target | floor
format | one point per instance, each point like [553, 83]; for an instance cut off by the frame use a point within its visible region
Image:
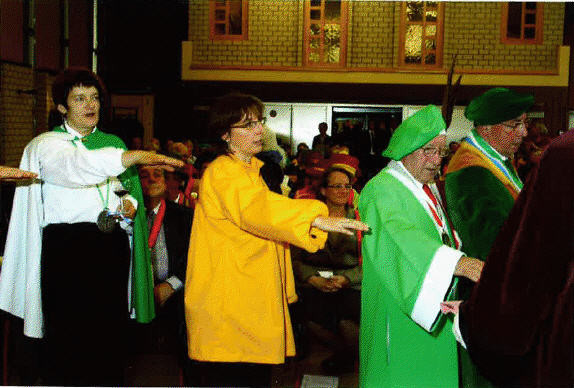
[162, 370]
[156, 370]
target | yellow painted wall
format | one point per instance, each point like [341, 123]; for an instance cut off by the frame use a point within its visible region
[471, 30]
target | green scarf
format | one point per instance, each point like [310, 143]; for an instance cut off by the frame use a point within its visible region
[142, 276]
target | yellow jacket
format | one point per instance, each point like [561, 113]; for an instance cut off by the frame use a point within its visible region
[239, 275]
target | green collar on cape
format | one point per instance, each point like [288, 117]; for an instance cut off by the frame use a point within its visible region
[142, 276]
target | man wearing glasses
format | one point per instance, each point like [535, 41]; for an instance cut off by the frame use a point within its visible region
[481, 181]
[410, 263]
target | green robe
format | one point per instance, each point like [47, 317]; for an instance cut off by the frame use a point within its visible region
[479, 195]
[480, 188]
[142, 298]
[407, 271]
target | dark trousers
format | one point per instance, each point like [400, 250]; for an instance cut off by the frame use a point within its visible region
[231, 374]
[84, 296]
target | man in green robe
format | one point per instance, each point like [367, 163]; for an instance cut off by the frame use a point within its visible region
[410, 260]
[482, 184]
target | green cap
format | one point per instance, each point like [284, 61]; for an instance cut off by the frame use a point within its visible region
[497, 105]
[415, 132]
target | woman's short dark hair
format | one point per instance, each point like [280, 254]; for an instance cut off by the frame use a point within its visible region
[230, 109]
[72, 77]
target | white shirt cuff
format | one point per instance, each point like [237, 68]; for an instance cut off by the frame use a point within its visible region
[174, 282]
[456, 331]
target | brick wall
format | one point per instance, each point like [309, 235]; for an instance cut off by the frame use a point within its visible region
[22, 115]
[371, 34]
[274, 35]
[16, 111]
[472, 31]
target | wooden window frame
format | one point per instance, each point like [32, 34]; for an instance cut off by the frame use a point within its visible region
[244, 17]
[538, 28]
[439, 39]
[306, 36]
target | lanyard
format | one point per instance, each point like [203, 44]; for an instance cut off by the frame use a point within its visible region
[105, 203]
[157, 222]
[107, 194]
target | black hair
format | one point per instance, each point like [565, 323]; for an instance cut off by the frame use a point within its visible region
[72, 77]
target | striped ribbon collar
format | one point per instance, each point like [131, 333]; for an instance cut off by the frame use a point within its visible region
[475, 141]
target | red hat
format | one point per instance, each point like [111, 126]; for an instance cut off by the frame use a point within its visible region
[315, 164]
[346, 162]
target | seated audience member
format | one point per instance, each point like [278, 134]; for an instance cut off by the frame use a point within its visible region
[330, 279]
[203, 162]
[170, 228]
[313, 168]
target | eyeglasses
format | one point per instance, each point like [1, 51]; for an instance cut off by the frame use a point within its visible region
[431, 151]
[515, 125]
[346, 187]
[251, 124]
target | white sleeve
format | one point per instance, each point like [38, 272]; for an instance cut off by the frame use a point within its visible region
[456, 331]
[71, 165]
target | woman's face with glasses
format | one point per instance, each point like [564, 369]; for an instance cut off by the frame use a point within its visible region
[245, 138]
[338, 188]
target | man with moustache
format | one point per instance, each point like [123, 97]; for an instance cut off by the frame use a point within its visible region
[411, 261]
[481, 182]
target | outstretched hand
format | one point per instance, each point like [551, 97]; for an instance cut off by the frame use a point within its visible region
[450, 306]
[339, 224]
[131, 158]
[13, 174]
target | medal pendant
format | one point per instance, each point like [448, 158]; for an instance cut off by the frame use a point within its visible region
[446, 239]
[106, 222]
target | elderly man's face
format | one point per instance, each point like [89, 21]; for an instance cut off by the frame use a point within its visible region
[506, 137]
[424, 163]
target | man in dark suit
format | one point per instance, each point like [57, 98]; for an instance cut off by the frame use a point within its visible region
[371, 145]
[170, 228]
[322, 142]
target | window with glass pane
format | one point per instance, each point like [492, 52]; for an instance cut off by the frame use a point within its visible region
[522, 23]
[421, 34]
[325, 34]
[228, 19]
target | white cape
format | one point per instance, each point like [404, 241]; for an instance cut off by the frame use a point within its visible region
[20, 288]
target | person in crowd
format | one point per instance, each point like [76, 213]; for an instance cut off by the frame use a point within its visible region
[518, 324]
[411, 263]
[67, 262]
[481, 182]
[170, 227]
[313, 170]
[532, 148]
[239, 276]
[322, 142]
[330, 279]
[203, 161]
[371, 143]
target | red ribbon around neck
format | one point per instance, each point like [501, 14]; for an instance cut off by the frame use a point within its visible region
[158, 220]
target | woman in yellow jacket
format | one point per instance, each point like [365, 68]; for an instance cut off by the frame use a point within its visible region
[239, 278]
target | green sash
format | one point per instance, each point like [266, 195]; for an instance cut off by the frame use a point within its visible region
[142, 298]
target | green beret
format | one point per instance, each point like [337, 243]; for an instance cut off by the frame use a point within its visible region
[415, 132]
[497, 105]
